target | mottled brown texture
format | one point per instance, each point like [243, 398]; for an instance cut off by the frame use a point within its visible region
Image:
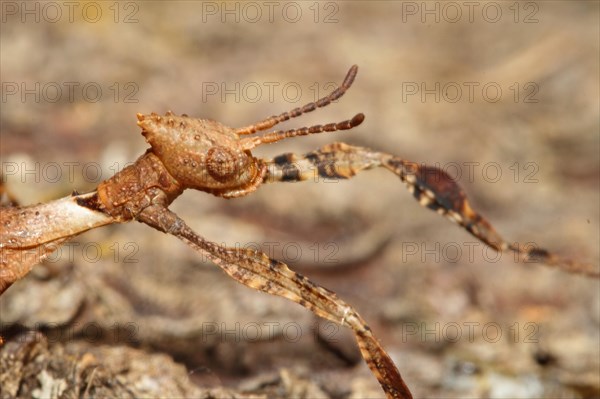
[29, 234]
[190, 153]
[185, 147]
[126, 194]
[258, 271]
[431, 187]
[31, 368]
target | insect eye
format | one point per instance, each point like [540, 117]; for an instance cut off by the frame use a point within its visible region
[221, 164]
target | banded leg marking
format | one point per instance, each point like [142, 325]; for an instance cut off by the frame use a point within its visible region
[432, 188]
[256, 270]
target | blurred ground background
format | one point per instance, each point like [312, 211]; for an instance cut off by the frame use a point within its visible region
[458, 320]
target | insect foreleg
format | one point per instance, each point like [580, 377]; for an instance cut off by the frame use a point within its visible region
[432, 188]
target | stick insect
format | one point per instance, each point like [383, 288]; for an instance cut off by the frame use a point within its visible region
[189, 153]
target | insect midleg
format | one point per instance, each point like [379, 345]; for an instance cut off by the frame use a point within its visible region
[256, 270]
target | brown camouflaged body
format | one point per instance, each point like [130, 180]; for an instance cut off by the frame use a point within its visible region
[201, 154]
[208, 156]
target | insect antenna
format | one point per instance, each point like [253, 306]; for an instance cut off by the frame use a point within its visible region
[272, 137]
[275, 119]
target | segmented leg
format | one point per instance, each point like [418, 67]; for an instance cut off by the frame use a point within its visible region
[258, 271]
[275, 119]
[432, 187]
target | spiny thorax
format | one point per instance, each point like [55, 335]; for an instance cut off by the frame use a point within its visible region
[136, 187]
